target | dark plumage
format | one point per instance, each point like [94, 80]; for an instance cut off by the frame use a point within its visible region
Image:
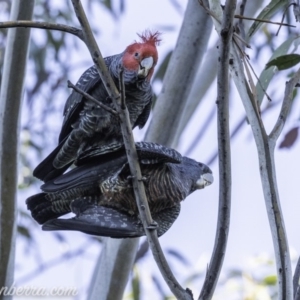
[100, 193]
[89, 130]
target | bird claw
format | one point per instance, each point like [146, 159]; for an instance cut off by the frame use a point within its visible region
[130, 177]
[152, 226]
[143, 179]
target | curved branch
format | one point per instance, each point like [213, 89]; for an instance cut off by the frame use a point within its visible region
[45, 266]
[43, 25]
[138, 185]
[217, 258]
[285, 108]
[265, 149]
[296, 279]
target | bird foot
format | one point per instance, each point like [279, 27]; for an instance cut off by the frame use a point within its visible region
[143, 179]
[152, 226]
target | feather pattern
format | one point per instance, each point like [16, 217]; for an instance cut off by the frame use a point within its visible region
[88, 129]
[99, 184]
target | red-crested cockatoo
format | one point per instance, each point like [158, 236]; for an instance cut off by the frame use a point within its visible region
[89, 130]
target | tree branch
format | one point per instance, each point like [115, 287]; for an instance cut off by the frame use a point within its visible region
[89, 97]
[217, 258]
[285, 108]
[111, 272]
[262, 20]
[126, 126]
[296, 281]
[182, 68]
[10, 102]
[43, 25]
[269, 184]
[54, 262]
[265, 148]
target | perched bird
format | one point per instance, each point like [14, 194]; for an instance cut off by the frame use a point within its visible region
[88, 129]
[100, 193]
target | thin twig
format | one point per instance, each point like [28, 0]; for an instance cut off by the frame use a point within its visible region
[137, 182]
[238, 127]
[54, 262]
[258, 80]
[283, 16]
[211, 13]
[237, 36]
[263, 21]
[219, 251]
[242, 9]
[89, 97]
[43, 25]
[202, 131]
[122, 89]
[285, 108]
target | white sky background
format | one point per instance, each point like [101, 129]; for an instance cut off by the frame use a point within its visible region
[193, 233]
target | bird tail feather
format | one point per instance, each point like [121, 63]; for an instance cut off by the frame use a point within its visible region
[41, 208]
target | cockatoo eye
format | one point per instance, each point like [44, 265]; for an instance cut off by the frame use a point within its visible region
[136, 54]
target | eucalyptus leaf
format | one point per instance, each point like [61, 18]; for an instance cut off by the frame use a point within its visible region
[284, 62]
[267, 74]
[290, 138]
[267, 13]
[24, 231]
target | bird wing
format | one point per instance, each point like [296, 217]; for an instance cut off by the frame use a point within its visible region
[100, 221]
[143, 117]
[45, 170]
[100, 167]
[152, 153]
[88, 80]
[86, 175]
[106, 221]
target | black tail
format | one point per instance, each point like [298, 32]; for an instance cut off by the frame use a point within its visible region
[41, 208]
[45, 170]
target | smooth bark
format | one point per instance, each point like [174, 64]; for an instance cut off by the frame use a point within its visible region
[12, 87]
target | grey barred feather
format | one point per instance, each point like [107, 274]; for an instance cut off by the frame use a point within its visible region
[105, 221]
[107, 184]
[89, 130]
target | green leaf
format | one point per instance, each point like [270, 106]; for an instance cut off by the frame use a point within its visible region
[24, 231]
[284, 62]
[267, 13]
[270, 280]
[135, 284]
[267, 74]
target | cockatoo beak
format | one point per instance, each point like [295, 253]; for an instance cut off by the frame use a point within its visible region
[204, 180]
[145, 65]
